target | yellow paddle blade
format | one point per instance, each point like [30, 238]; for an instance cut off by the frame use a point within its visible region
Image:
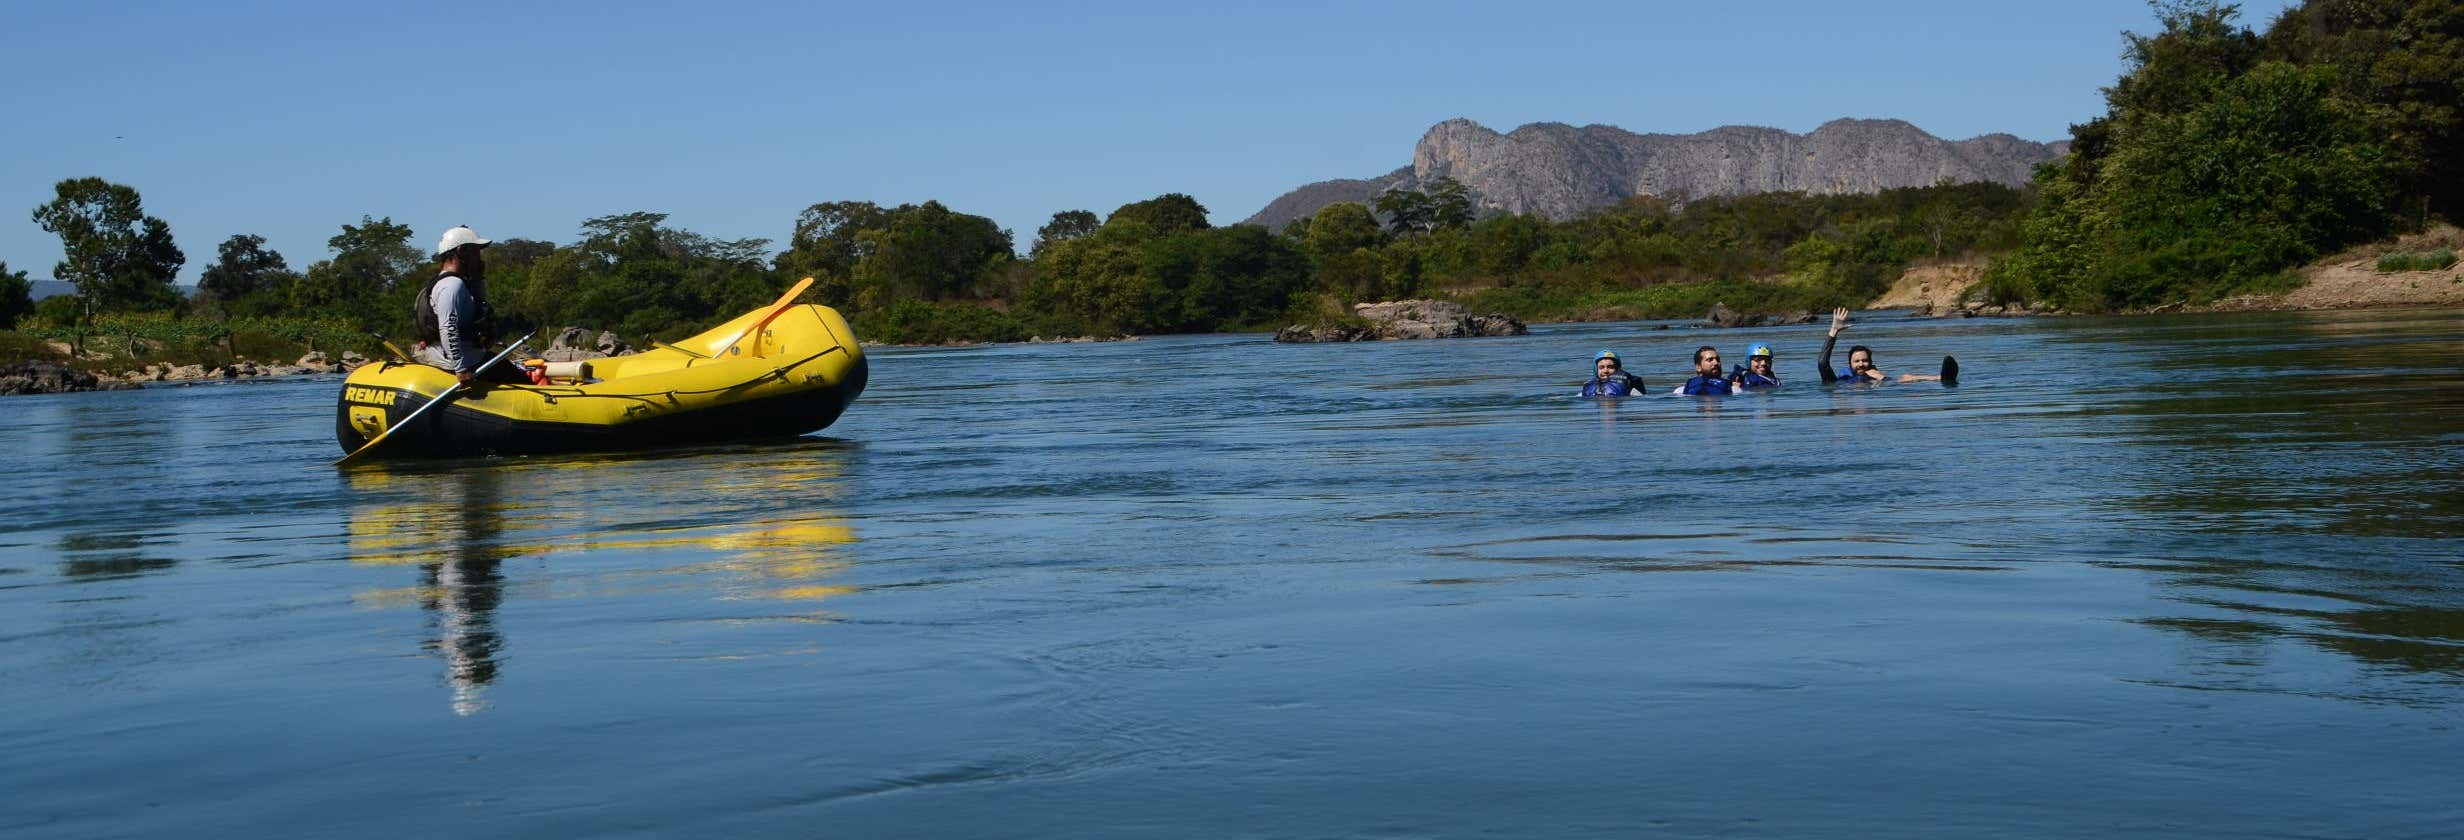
[784, 301]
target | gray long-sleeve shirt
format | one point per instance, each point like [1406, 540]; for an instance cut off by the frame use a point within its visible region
[457, 347]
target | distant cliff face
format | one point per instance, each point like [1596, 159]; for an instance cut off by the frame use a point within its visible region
[1559, 171]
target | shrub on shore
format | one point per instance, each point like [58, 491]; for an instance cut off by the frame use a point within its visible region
[2437, 260]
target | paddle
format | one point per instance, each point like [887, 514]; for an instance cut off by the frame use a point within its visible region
[447, 396]
[397, 351]
[667, 346]
[785, 301]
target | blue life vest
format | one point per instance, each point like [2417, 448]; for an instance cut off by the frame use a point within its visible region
[1705, 386]
[1852, 376]
[1752, 380]
[1617, 385]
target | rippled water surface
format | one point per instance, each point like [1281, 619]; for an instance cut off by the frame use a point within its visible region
[2184, 577]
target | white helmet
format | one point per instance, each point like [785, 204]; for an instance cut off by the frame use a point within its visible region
[459, 236]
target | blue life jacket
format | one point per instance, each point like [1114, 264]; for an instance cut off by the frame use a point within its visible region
[1616, 385]
[1852, 377]
[1705, 386]
[1752, 380]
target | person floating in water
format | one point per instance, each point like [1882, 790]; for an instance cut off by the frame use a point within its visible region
[1609, 378]
[1707, 381]
[1756, 373]
[1861, 367]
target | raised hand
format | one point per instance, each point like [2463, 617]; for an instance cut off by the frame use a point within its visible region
[1839, 321]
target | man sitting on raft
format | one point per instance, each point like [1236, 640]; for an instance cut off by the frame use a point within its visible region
[1707, 381]
[1609, 378]
[1861, 367]
[452, 315]
[1756, 373]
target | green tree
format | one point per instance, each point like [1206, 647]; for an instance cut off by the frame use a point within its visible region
[16, 296]
[371, 266]
[1406, 211]
[1163, 215]
[927, 252]
[825, 247]
[1343, 239]
[632, 275]
[545, 295]
[2222, 161]
[1296, 230]
[2405, 55]
[118, 257]
[1450, 204]
[2272, 170]
[1091, 285]
[1065, 226]
[2180, 67]
[1501, 245]
[245, 279]
[1342, 228]
[1856, 263]
[1220, 278]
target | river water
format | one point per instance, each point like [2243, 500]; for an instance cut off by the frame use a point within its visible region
[2194, 576]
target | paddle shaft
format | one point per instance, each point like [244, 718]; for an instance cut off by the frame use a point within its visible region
[449, 393]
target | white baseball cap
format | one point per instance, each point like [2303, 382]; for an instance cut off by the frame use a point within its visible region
[459, 236]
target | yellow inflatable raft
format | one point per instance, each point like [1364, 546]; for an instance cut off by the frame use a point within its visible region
[792, 377]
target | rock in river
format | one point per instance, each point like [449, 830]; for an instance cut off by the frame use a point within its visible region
[574, 344]
[1724, 317]
[1400, 319]
[52, 378]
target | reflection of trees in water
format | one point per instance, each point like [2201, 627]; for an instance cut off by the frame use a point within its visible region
[108, 630]
[2426, 640]
[456, 523]
[2305, 460]
[97, 556]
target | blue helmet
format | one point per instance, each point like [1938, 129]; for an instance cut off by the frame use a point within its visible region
[1759, 350]
[1610, 355]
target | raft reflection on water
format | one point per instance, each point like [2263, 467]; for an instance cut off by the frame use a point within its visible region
[458, 524]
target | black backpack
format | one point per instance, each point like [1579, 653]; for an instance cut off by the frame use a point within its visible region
[424, 320]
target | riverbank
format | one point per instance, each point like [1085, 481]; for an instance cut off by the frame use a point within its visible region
[2349, 280]
[2352, 280]
[33, 365]
[2379, 275]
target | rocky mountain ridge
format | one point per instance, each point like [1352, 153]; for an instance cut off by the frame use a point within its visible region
[1559, 171]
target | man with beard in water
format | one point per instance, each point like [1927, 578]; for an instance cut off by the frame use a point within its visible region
[455, 323]
[1609, 378]
[1707, 381]
[1861, 367]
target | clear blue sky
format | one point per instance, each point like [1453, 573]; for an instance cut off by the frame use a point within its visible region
[288, 120]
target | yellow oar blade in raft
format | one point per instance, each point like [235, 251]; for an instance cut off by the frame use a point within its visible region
[784, 301]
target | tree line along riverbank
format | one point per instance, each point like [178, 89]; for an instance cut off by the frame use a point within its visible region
[2231, 167]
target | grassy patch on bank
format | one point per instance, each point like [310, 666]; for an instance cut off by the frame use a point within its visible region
[20, 347]
[2433, 260]
[121, 342]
